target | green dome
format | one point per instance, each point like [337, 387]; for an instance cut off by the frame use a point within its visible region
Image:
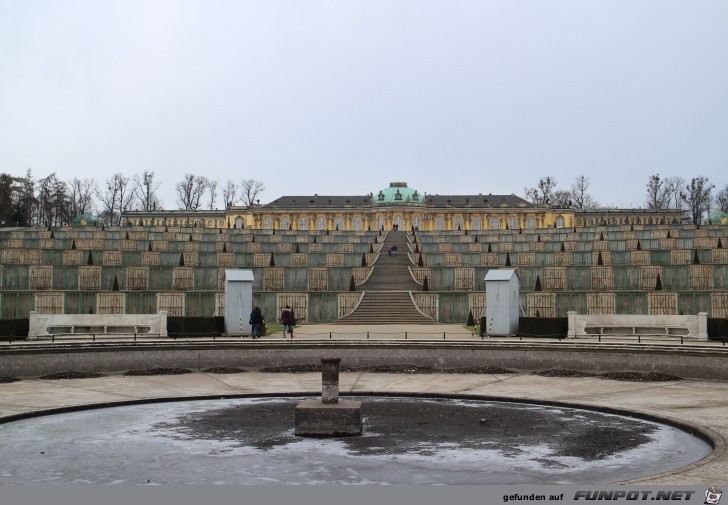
[398, 192]
[85, 220]
[719, 217]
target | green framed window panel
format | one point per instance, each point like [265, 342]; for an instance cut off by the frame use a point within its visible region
[720, 277]
[453, 307]
[675, 277]
[160, 278]
[200, 304]
[107, 278]
[52, 257]
[339, 278]
[295, 279]
[631, 303]
[206, 279]
[16, 277]
[268, 306]
[131, 258]
[141, 303]
[690, 304]
[626, 278]
[566, 302]
[16, 305]
[322, 307]
[80, 302]
[578, 278]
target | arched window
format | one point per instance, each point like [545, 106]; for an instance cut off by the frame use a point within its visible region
[267, 223]
[357, 224]
[239, 223]
[339, 223]
[380, 222]
[494, 223]
[531, 222]
[458, 223]
[398, 222]
[303, 224]
[440, 223]
[560, 222]
[285, 223]
[321, 223]
[513, 222]
[416, 222]
[476, 223]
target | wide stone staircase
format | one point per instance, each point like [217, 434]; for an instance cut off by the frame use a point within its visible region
[386, 291]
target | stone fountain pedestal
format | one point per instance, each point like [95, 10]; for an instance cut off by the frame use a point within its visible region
[328, 416]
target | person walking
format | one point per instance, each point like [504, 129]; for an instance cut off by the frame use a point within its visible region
[256, 320]
[287, 320]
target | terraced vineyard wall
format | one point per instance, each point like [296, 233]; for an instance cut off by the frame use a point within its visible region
[639, 269]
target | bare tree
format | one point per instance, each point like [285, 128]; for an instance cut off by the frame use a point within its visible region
[145, 190]
[229, 193]
[544, 193]
[81, 196]
[657, 193]
[698, 198]
[674, 187]
[190, 191]
[721, 199]
[7, 207]
[116, 198]
[561, 198]
[250, 190]
[212, 186]
[53, 202]
[25, 202]
[579, 194]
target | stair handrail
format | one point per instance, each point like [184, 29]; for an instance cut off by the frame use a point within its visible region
[355, 306]
[417, 308]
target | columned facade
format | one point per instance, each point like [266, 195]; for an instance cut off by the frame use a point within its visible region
[399, 206]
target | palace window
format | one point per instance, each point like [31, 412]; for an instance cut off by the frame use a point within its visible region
[458, 223]
[357, 224]
[494, 223]
[267, 223]
[380, 222]
[513, 222]
[398, 222]
[416, 222]
[560, 222]
[476, 223]
[339, 223]
[303, 224]
[239, 223]
[531, 222]
[440, 223]
[285, 223]
[321, 223]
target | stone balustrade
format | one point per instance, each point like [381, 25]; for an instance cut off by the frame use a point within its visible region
[583, 325]
[42, 325]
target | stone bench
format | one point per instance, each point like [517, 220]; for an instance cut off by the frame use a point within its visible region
[44, 325]
[583, 325]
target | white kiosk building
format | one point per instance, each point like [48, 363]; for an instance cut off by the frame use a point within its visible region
[238, 301]
[502, 304]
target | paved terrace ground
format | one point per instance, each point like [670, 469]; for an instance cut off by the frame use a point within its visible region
[700, 404]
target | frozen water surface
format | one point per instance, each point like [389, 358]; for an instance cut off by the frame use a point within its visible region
[405, 441]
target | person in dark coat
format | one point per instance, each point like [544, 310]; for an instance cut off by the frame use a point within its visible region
[287, 320]
[256, 320]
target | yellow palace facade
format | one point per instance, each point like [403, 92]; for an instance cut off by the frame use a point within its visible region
[399, 206]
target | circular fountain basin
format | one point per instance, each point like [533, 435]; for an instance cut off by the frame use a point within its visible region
[405, 441]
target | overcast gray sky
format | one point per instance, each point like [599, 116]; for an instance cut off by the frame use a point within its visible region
[343, 97]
